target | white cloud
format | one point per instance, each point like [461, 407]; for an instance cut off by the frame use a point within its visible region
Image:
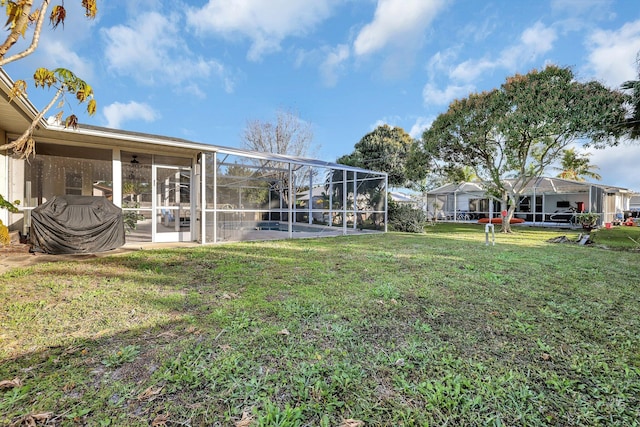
[333, 64]
[151, 50]
[118, 113]
[420, 125]
[396, 22]
[613, 53]
[478, 32]
[142, 47]
[265, 23]
[578, 7]
[618, 166]
[432, 95]
[471, 69]
[63, 56]
[378, 123]
[440, 60]
[534, 42]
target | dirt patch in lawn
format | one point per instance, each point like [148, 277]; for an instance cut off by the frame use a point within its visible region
[17, 255]
[21, 259]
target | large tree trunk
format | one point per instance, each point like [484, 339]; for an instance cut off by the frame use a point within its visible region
[506, 219]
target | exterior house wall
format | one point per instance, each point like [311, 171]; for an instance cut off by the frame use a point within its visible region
[4, 178]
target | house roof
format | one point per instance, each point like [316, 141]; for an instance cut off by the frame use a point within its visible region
[464, 187]
[399, 197]
[541, 185]
[18, 115]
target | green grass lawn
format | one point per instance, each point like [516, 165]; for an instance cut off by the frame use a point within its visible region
[389, 329]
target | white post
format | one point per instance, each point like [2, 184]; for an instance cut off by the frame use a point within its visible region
[344, 202]
[355, 200]
[455, 205]
[291, 201]
[386, 202]
[154, 202]
[4, 184]
[489, 227]
[331, 199]
[203, 198]
[310, 219]
[215, 197]
[116, 179]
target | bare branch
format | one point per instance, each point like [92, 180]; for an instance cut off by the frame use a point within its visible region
[288, 135]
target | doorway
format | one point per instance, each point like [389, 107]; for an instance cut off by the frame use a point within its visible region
[172, 211]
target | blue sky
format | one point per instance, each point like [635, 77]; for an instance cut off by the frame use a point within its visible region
[201, 69]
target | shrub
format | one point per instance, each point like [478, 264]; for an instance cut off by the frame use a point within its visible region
[406, 218]
[5, 239]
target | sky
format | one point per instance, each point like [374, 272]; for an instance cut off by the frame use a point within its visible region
[201, 69]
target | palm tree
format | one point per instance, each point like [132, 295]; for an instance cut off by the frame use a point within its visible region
[577, 166]
[632, 123]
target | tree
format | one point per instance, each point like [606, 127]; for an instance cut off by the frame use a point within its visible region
[289, 135]
[386, 149]
[511, 134]
[576, 166]
[631, 124]
[21, 16]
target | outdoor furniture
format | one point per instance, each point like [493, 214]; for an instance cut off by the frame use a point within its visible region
[76, 224]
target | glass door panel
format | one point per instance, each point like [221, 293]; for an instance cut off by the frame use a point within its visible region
[172, 204]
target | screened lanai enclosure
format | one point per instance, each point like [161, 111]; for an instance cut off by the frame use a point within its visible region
[210, 196]
[171, 189]
[256, 198]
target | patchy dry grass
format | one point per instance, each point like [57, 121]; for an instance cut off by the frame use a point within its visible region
[391, 329]
[619, 238]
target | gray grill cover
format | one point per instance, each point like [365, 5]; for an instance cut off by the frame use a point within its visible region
[76, 224]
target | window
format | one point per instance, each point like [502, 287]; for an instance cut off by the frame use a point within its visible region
[73, 183]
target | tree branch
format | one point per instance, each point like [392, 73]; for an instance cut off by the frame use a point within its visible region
[25, 144]
[13, 37]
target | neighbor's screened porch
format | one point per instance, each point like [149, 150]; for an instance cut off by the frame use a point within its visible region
[259, 197]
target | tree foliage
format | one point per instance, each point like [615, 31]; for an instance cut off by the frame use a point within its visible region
[631, 124]
[21, 16]
[518, 130]
[406, 218]
[386, 149]
[577, 166]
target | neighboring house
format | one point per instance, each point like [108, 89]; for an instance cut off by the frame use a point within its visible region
[403, 198]
[545, 199]
[634, 205]
[174, 189]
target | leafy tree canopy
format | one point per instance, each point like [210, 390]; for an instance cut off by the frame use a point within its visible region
[518, 130]
[577, 166]
[386, 149]
[24, 18]
[631, 124]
